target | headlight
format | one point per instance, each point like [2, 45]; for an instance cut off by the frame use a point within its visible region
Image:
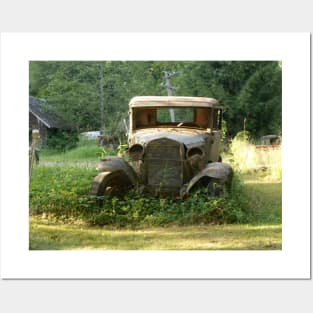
[194, 152]
[136, 152]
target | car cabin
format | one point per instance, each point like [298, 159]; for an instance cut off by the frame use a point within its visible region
[194, 112]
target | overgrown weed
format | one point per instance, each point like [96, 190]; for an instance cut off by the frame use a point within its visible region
[245, 158]
[61, 194]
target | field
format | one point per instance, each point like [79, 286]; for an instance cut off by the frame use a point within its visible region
[212, 237]
[62, 216]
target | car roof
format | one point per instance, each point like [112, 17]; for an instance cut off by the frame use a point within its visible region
[172, 101]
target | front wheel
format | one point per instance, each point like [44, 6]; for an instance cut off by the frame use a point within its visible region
[215, 188]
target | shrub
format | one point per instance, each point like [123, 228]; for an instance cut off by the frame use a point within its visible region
[61, 193]
[62, 140]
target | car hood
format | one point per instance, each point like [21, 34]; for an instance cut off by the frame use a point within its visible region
[189, 137]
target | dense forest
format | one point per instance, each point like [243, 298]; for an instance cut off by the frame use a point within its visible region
[94, 95]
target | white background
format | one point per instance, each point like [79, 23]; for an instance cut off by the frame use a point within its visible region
[182, 295]
[294, 259]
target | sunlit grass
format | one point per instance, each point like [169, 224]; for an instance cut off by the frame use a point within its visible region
[212, 237]
[87, 150]
[265, 199]
[262, 187]
[248, 158]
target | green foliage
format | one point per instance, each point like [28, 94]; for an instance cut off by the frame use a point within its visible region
[260, 100]
[62, 140]
[105, 151]
[95, 95]
[85, 150]
[61, 193]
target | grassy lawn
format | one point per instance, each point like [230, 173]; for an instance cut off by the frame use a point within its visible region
[265, 235]
[266, 200]
[87, 151]
[62, 187]
[211, 237]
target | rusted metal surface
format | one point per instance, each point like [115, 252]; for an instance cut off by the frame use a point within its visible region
[268, 147]
[168, 157]
[167, 101]
[163, 165]
[271, 140]
[188, 137]
[221, 172]
[113, 164]
[110, 183]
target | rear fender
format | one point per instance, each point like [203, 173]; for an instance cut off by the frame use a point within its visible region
[221, 172]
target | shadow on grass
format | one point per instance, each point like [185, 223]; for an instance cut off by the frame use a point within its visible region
[213, 237]
[265, 201]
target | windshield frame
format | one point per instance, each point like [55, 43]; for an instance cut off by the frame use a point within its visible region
[146, 117]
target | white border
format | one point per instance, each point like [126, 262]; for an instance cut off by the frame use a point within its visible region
[18, 262]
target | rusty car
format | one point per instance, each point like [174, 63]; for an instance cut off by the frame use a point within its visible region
[173, 146]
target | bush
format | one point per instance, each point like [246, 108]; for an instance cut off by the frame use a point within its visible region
[61, 193]
[62, 140]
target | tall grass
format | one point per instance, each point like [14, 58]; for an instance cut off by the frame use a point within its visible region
[247, 158]
[86, 150]
[61, 193]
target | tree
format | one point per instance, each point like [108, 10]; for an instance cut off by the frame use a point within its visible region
[260, 100]
[92, 94]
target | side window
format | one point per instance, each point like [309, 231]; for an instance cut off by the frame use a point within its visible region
[202, 118]
[144, 118]
[217, 119]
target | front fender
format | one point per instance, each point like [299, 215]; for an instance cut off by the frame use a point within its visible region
[113, 164]
[221, 172]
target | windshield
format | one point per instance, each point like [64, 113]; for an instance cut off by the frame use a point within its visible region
[177, 115]
[174, 117]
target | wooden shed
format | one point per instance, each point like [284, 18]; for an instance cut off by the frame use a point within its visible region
[40, 118]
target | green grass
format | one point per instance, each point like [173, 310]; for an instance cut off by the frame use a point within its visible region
[86, 150]
[265, 200]
[61, 194]
[63, 216]
[44, 236]
[186, 225]
[47, 180]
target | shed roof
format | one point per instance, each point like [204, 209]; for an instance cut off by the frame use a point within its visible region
[172, 101]
[50, 120]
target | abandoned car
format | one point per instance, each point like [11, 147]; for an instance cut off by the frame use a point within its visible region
[173, 146]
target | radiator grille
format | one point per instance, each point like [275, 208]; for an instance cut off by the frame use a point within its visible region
[163, 162]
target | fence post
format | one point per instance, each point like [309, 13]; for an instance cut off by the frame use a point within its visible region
[35, 139]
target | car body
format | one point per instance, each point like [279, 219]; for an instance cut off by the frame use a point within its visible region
[173, 145]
